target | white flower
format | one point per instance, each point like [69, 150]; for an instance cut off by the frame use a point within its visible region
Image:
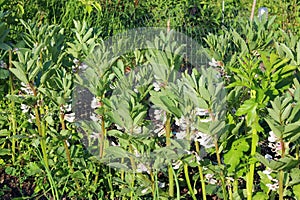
[3, 64]
[213, 63]
[68, 144]
[201, 112]
[204, 139]
[272, 187]
[94, 117]
[268, 172]
[66, 108]
[210, 179]
[26, 88]
[161, 184]
[76, 61]
[206, 120]
[180, 135]
[156, 86]
[141, 168]
[268, 157]
[144, 191]
[177, 164]
[70, 117]
[94, 135]
[32, 117]
[272, 137]
[25, 108]
[83, 66]
[118, 127]
[95, 103]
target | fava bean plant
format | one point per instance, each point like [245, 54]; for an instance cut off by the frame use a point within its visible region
[80, 119]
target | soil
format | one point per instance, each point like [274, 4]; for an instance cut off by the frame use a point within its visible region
[10, 186]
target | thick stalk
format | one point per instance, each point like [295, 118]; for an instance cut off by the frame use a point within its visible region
[152, 184]
[112, 194]
[177, 185]
[281, 173]
[63, 127]
[221, 172]
[281, 177]
[253, 10]
[102, 136]
[187, 179]
[42, 135]
[250, 174]
[168, 143]
[201, 173]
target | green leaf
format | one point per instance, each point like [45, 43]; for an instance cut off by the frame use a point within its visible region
[235, 154]
[296, 191]
[78, 175]
[116, 152]
[19, 74]
[4, 152]
[65, 133]
[260, 196]
[4, 74]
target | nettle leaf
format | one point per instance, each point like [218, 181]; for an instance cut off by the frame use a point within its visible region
[234, 155]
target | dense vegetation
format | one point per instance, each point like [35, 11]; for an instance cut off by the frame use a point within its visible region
[78, 122]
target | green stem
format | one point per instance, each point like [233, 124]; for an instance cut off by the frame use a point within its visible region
[201, 173]
[281, 176]
[110, 185]
[102, 137]
[221, 172]
[156, 186]
[152, 184]
[168, 143]
[230, 191]
[250, 174]
[177, 185]
[63, 127]
[281, 173]
[42, 135]
[187, 178]
[235, 185]
[12, 109]
[297, 152]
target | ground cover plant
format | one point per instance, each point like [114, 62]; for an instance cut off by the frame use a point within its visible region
[207, 109]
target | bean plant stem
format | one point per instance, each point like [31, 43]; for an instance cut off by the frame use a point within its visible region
[63, 127]
[42, 135]
[152, 184]
[12, 109]
[168, 143]
[253, 10]
[281, 173]
[201, 172]
[221, 172]
[177, 185]
[281, 177]
[102, 137]
[187, 179]
[250, 174]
